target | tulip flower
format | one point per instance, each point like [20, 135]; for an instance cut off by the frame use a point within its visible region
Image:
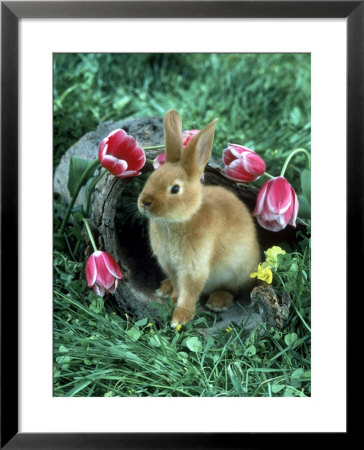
[121, 154]
[242, 164]
[159, 160]
[102, 273]
[187, 135]
[277, 205]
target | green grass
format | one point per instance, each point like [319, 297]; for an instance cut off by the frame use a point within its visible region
[101, 351]
[262, 101]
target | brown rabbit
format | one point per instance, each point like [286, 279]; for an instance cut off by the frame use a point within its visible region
[203, 236]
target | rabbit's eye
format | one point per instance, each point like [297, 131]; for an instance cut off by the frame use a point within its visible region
[175, 189]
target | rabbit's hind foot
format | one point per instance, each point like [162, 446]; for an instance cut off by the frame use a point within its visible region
[220, 301]
[166, 289]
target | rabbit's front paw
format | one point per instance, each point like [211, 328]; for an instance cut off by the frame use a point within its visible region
[181, 317]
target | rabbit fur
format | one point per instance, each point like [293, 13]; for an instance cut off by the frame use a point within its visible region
[204, 237]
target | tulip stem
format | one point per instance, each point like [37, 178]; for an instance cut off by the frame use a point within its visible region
[91, 168]
[268, 175]
[155, 147]
[90, 234]
[289, 157]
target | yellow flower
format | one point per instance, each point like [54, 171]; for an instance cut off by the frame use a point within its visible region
[272, 255]
[263, 273]
[150, 324]
[228, 330]
[178, 327]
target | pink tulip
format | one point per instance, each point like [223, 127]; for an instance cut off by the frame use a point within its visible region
[277, 205]
[242, 164]
[102, 273]
[121, 154]
[187, 135]
[159, 160]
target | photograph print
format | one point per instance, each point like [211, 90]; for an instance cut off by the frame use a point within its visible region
[182, 224]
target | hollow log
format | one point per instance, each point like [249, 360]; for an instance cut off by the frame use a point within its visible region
[126, 240]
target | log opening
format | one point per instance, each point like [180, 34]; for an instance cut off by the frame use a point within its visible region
[133, 239]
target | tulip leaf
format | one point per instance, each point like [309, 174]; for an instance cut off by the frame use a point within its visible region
[77, 230]
[79, 210]
[306, 184]
[78, 226]
[304, 210]
[78, 216]
[78, 166]
[59, 242]
[89, 184]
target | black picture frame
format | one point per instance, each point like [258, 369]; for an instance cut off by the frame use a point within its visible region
[11, 13]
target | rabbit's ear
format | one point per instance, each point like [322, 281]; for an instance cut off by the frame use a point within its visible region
[173, 135]
[198, 150]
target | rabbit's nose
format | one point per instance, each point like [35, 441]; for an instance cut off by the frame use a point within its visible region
[145, 201]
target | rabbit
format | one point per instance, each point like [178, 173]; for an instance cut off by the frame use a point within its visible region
[203, 237]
